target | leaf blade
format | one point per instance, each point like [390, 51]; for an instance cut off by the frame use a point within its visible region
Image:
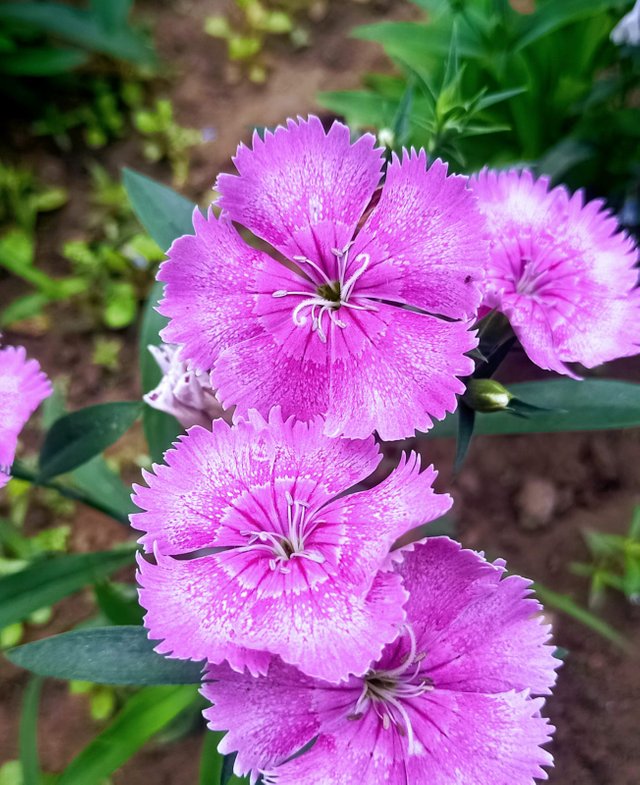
[104, 655]
[44, 583]
[77, 437]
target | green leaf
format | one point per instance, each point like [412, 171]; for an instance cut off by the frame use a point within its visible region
[119, 603]
[160, 429]
[104, 655]
[589, 405]
[81, 27]
[79, 436]
[43, 583]
[466, 420]
[562, 602]
[112, 14]
[104, 488]
[164, 213]
[28, 734]
[553, 16]
[144, 715]
[44, 61]
[362, 108]
[211, 761]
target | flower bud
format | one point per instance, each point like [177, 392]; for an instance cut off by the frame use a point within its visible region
[183, 392]
[486, 395]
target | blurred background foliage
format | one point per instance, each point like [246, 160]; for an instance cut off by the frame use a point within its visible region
[479, 82]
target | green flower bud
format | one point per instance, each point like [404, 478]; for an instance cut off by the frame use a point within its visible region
[486, 395]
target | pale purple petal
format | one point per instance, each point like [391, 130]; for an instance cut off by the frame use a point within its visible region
[405, 381]
[426, 239]
[560, 270]
[298, 178]
[269, 719]
[23, 387]
[463, 738]
[480, 630]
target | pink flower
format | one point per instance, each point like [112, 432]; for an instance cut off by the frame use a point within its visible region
[184, 392]
[256, 551]
[449, 701]
[327, 331]
[23, 387]
[560, 270]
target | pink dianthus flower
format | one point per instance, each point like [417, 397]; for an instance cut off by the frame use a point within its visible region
[23, 387]
[257, 551]
[327, 331]
[560, 270]
[449, 701]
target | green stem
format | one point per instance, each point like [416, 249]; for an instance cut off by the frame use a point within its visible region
[21, 472]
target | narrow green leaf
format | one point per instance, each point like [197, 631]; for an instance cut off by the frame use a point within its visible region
[119, 603]
[28, 734]
[553, 16]
[589, 405]
[466, 420]
[104, 488]
[562, 602]
[211, 761]
[44, 583]
[43, 61]
[75, 438]
[144, 715]
[164, 213]
[81, 27]
[104, 655]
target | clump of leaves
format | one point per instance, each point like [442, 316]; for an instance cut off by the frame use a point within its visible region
[23, 197]
[518, 84]
[100, 112]
[253, 22]
[165, 138]
[115, 262]
[615, 563]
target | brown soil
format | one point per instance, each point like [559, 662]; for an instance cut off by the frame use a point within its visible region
[524, 498]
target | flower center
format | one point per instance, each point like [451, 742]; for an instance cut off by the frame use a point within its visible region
[387, 691]
[283, 547]
[329, 296]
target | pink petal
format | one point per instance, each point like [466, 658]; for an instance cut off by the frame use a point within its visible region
[426, 240]
[561, 271]
[208, 471]
[269, 719]
[23, 387]
[405, 380]
[465, 738]
[210, 291]
[297, 178]
[199, 613]
[480, 630]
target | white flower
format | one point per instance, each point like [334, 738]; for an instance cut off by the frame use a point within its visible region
[627, 31]
[182, 391]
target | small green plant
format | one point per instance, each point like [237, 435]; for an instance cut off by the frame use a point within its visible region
[550, 76]
[99, 110]
[615, 563]
[23, 197]
[247, 30]
[164, 138]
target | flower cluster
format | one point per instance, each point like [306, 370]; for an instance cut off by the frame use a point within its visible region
[331, 629]
[23, 387]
